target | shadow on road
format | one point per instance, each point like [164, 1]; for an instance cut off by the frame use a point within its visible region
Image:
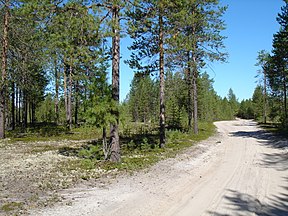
[277, 160]
[276, 205]
[243, 204]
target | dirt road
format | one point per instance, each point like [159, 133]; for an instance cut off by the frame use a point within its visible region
[241, 171]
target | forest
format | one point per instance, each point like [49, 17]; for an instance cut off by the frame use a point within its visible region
[57, 57]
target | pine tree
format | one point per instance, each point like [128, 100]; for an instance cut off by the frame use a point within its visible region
[3, 81]
[196, 27]
[148, 28]
[277, 69]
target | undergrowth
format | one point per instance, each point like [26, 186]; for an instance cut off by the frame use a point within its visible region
[138, 151]
[139, 147]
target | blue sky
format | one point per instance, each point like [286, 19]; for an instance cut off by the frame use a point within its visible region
[250, 28]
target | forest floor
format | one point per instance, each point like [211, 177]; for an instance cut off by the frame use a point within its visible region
[242, 170]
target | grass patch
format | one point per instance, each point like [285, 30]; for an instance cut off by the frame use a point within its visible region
[11, 206]
[52, 133]
[275, 128]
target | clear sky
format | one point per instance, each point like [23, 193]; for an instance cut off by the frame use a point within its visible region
[250, 28]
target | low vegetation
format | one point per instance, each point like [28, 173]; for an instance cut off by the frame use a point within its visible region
[55, 162]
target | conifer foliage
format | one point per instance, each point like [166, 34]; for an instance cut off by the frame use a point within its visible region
[56, 57]
[270, 96]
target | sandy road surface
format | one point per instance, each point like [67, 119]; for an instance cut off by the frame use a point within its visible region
[241, 171]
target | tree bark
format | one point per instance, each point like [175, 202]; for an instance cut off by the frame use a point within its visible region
[24, 110]
[114, 143]
[56, 92]
[13, 106]
[162, 83]
[65, 93]
[115, 155]
[104, 143]
[190, 95]
[69, 120]
[16, 104]
[285, 100]
[68, 95]
[195, 95]
[76, 102]
[3, 87]
[265, 96]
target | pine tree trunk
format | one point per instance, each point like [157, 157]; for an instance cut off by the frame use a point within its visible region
[114, 133]
[265, 97]
[195, 96]
[70, 98]
[13, 106]
[104, 143]
[285, 101]
[16, 105]
[33, 110]
[66, 97]
[3, 87]
[76, 103]
[24, 111]
[56, 92]
[190, 95]
[162, 83]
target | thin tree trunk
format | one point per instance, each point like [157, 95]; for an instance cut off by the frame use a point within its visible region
[30, 105]
[56, 92]
[195, 95]
[285, 101]
[265, 97]
[19, 106]
[114, 143]
[33, 109]
[24, 111]
[13, 106]
[190, 95]
[70, 98]
[3, 87]
[16, 103]
[76, 102]
[104, 143]
[65, 95]
[162, 83]
[194, 78]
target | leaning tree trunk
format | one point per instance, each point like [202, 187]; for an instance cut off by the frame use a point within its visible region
[162, 84]
[114, 144]
[3, 84]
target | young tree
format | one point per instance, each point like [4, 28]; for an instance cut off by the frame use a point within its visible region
[234, 105]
